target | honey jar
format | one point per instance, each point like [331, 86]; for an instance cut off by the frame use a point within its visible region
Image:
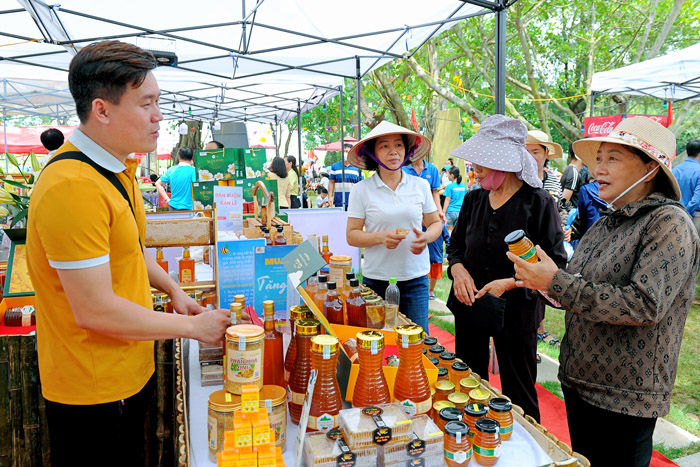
[479, 395]
[436, 350]
[459, 399]
[467, 384]
[459, 371]
[446, 359]
[244, 357]
[443, 374]
[448, 414]
[458, 448]
[500, 410]
[443, 388]
[433, 360]
[487, 441]
[429, 341]
[473, 412]
[437, 407]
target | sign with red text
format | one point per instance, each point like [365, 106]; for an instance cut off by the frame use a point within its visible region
[603, 125]
[229, 208]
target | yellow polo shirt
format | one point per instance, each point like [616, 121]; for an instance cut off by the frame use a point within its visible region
[77, 219]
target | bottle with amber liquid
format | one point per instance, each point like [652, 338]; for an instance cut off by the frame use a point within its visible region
[186, 267]
[295, 313]
[158, 305]
[326, 402]
[325, 252]
[280, 239]
[332, 306]
[371, 387]
[301, 371]
[160, 259]
[312, 285]
[273, 367]
[346, 285]
[321, 292]
[411, 390]
[236, 313]
[267, 236]
[355, 306]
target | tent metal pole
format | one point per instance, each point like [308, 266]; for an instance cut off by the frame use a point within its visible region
[301, 182]
[243, 26]
[358, 93]
[501, 59]
[4, 122]
[342, 141]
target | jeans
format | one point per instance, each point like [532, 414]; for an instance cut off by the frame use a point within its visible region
[414, 297]
[592, 429]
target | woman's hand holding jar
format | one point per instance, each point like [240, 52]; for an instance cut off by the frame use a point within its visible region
[536, 276]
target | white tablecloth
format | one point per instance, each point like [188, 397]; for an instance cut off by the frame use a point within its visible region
[521, 450]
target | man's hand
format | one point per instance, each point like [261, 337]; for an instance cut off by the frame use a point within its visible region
[535, 276]
[185, 305]
[391, 238]
[463, 284]
[497, 287]
[210, 327]
[567, 234]
[419, 244]
[443, 218]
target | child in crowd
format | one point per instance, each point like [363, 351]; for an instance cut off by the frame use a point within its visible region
[322, 200]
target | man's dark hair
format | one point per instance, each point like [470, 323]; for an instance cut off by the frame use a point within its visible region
[219, 145]
[103, 70]
[153, 178]
[321, 189]
[371, 164]
[278, 167]
[185, 154]
[347, 146]
[693, 148]
[52, 139]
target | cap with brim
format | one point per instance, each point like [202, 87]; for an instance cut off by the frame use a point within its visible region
[499, 144]
[554, 150]
[419, 143]
[641, 133]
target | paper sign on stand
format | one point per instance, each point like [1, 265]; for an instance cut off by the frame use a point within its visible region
[235, 270]
[271, 277]
[229, 208]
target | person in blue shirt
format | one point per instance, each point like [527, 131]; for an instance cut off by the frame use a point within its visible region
[688, 175]
[180, 178]
[337, 185]
[437, 258]
[428, 172]
[454, 195]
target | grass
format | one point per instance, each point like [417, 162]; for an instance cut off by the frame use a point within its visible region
[448, 326]
[554, 387]
[676, 453]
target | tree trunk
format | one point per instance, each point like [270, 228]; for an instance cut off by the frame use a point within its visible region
[647, 29]
[666, 28]
[394, 101]
[193, 138]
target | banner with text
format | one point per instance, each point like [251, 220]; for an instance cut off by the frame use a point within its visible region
[235, 270]
[271, 278]
[229, 208]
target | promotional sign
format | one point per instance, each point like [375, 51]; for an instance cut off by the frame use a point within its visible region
[235, 270]
[603, 126]
[229, 208]
[302, 262]
[271, 278]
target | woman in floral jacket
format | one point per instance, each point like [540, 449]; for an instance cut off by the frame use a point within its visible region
[626, 292]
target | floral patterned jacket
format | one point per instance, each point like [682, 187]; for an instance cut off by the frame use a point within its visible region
[627, 291]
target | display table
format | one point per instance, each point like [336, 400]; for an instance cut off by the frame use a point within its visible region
[521, 450]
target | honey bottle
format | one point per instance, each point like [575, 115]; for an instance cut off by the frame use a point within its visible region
[326, 402]
[236, 313]
[325, 252]
[321, 292]
[273, 367]
[240, 298]
[280, 239]
[295, 313]
[267, 236]
[186, 267]
[332, 306]
[371, 387]
[458, 448]
[411, 390]
[160, 259]
[487, 441]
[312, 285]
[158, 306]
[355, 306]
[301, 371]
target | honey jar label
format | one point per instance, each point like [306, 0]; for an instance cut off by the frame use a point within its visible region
[416, 448]
[412, 409]
[212, 426]
[459, 456]
[296, 397]
[486, 452]
[278, 422]
[382, 434]
[244, 366]
[506, 429]
[323, 422]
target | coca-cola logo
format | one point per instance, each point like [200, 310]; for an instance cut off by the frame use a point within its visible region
[604, 128]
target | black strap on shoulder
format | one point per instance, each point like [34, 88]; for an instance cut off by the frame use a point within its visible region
[108, 174]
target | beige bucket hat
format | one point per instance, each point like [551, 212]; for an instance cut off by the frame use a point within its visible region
[642, 133]
[419, 145]
[554, 150]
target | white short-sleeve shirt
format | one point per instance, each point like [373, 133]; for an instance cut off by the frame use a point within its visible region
[385, 209]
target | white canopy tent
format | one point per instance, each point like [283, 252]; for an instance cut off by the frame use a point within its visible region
[675, 76]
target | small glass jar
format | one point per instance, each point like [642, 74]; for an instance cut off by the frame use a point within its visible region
[429, 341]
[436, 350]
[500, 409]
[437, 407]
[448, 414]
[244, 357]
[443, 388]
[443, 374]
[376, 315]
[220, 419]
[459, 399]
[467, 384]
[447, 358]
[479, 395]
[434, 361]
[459, 371]
[487, 441]
[458, 448]
[473, 412]
[274, 398]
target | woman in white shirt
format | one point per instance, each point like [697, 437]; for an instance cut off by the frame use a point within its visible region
[386, 213]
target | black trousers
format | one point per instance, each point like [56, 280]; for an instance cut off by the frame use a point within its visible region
[517, 362]
[629, 439]
[107, 434]
[295, 203]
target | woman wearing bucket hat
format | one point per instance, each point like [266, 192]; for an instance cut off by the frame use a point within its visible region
[385, 214]
[510, 198]
[626, 291]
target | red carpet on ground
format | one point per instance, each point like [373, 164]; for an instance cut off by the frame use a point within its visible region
[552, 409]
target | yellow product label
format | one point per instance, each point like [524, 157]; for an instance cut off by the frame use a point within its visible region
[412, 408]
[186, 275]
[212, 426]
[297, 397]
[323, 422]
[243, 366]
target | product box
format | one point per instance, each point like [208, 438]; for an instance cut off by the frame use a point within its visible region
[219, 164]
[203, 195]
[14, 302]
[254, 159]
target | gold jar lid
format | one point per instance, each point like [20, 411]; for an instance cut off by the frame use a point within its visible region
[240, 298]
[368, 339]
[445, 385]
[223, 401]
[458, 398]
[373, 300]
[410, 332]
[269, 306]
[249, 332]
[307, 326]
[469, 382]
[479, 395]
[341, 259]
[439, 405]
[297, 312]
[275, 394]
[324, 343]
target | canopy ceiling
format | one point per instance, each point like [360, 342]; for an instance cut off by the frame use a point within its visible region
[237, 60]
[674, 76]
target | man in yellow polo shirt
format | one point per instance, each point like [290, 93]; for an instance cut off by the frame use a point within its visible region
[91, 274]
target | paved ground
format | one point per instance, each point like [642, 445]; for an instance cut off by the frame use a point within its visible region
[666, 432]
